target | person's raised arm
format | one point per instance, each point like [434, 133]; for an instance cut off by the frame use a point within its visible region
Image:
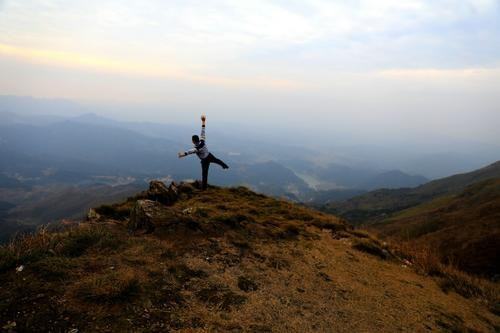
[203, 119]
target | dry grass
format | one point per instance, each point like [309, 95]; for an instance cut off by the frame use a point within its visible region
[427, 261]
[371, 246]
[26, 248]
[74, 242]
[251, 264]
[110, 287]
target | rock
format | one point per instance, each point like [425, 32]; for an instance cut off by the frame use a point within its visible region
[142, 215]
[147, 215]
[20, 269]
[158, 191]
[92, 215]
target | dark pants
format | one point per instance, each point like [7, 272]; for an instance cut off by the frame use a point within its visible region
[205, 164]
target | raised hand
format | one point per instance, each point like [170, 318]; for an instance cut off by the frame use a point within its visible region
[181, 154]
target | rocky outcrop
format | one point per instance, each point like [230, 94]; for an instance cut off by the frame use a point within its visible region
[159, 192]
[147, 215]
[152, 209]
[142, 216]
[92, 215]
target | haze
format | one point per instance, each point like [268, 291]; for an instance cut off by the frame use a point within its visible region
[366, 71]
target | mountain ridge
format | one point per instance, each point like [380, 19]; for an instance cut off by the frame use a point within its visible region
[380, 204]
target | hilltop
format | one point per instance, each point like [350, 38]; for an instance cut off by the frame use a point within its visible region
[226, 260]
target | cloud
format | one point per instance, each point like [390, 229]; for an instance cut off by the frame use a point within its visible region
[228, 30]
[108, 65]
[442, 74]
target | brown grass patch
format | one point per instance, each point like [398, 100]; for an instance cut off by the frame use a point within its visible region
[371, 246]
[110, 287]
[427, 261]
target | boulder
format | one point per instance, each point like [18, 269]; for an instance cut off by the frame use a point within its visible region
[143, 215]
[147, 215]
[92, 215]
[158, 191]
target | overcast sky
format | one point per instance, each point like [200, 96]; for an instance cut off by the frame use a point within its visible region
[383, 68]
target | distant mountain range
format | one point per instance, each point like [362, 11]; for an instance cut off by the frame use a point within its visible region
[380, 204]
[40, 149]
[61, 149]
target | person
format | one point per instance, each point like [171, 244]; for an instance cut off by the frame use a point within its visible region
[200, 148]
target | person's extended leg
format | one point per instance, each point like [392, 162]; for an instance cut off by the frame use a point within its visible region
[215, 160]
[205, 164]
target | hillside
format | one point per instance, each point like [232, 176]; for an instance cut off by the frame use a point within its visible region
[463, 228]
[393, 179]
[223, 260]
[380, 204]
[23, 209]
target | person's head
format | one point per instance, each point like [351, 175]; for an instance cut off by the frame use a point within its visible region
[195, 139]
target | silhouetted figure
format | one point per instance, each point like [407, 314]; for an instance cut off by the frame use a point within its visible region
[200, 148]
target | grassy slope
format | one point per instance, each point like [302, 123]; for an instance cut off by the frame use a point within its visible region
[231, 260]
[464, 228]
[381, 204]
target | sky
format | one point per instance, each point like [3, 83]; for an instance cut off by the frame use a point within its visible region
[385, 69]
